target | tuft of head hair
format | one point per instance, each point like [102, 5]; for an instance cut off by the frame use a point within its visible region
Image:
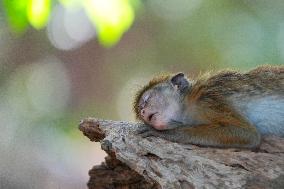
[156, 80]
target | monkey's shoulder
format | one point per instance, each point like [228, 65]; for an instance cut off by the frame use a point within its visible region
[262, 81]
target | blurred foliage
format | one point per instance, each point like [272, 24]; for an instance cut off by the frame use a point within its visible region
[38, 12]
[17, 14]
[55, 73]
[111, 18]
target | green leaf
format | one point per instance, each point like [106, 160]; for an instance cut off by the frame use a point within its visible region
[38, 12]
[111, 18]
[16, 14]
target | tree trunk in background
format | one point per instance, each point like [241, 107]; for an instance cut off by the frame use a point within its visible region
[135, 162]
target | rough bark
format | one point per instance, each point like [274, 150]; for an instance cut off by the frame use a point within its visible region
[152, 162]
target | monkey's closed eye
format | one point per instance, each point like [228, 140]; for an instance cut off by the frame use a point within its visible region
[142, 104]
[146, 98]
[144, 101]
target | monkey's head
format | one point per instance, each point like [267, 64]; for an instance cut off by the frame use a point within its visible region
[160, 102]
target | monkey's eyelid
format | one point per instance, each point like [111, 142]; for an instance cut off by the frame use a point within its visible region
[146, 98]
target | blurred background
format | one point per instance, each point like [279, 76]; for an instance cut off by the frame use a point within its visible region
[64, 60]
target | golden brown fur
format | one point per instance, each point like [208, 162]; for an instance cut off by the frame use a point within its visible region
[208, 96]
[209, 89]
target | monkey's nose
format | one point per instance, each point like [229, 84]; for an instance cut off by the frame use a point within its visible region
[150, 116]
[146, 115]
[142, 112]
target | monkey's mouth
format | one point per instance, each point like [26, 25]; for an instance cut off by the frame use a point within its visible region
[151, 116]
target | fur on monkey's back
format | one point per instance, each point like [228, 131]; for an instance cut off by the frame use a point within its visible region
[258, 95]
[261, 81]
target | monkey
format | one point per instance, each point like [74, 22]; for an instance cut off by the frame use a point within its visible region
[228, 109]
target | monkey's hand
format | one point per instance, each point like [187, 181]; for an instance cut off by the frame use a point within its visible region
[170, 135]
[146, 131]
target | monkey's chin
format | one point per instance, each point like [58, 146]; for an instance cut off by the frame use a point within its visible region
[159, 125]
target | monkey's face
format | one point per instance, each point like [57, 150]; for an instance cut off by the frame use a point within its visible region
[158, 106]
[161, 106]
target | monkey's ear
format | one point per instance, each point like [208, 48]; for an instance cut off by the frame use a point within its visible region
[180, 82]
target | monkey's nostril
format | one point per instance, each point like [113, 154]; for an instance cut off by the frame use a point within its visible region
[151, 116]
[142, 112]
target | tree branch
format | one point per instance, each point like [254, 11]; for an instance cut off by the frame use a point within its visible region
[164, 164]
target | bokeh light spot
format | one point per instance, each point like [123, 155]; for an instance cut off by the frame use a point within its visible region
[69, 29]
[111, 18]
[48, 86]
[78, 25]
[16, 14]
[38, 12]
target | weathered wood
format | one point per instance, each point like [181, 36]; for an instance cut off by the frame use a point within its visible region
[165, 164]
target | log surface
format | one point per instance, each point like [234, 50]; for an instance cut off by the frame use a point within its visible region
[157, 163]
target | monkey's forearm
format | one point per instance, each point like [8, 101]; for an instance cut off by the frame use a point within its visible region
[223, 136]
[210, 135]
